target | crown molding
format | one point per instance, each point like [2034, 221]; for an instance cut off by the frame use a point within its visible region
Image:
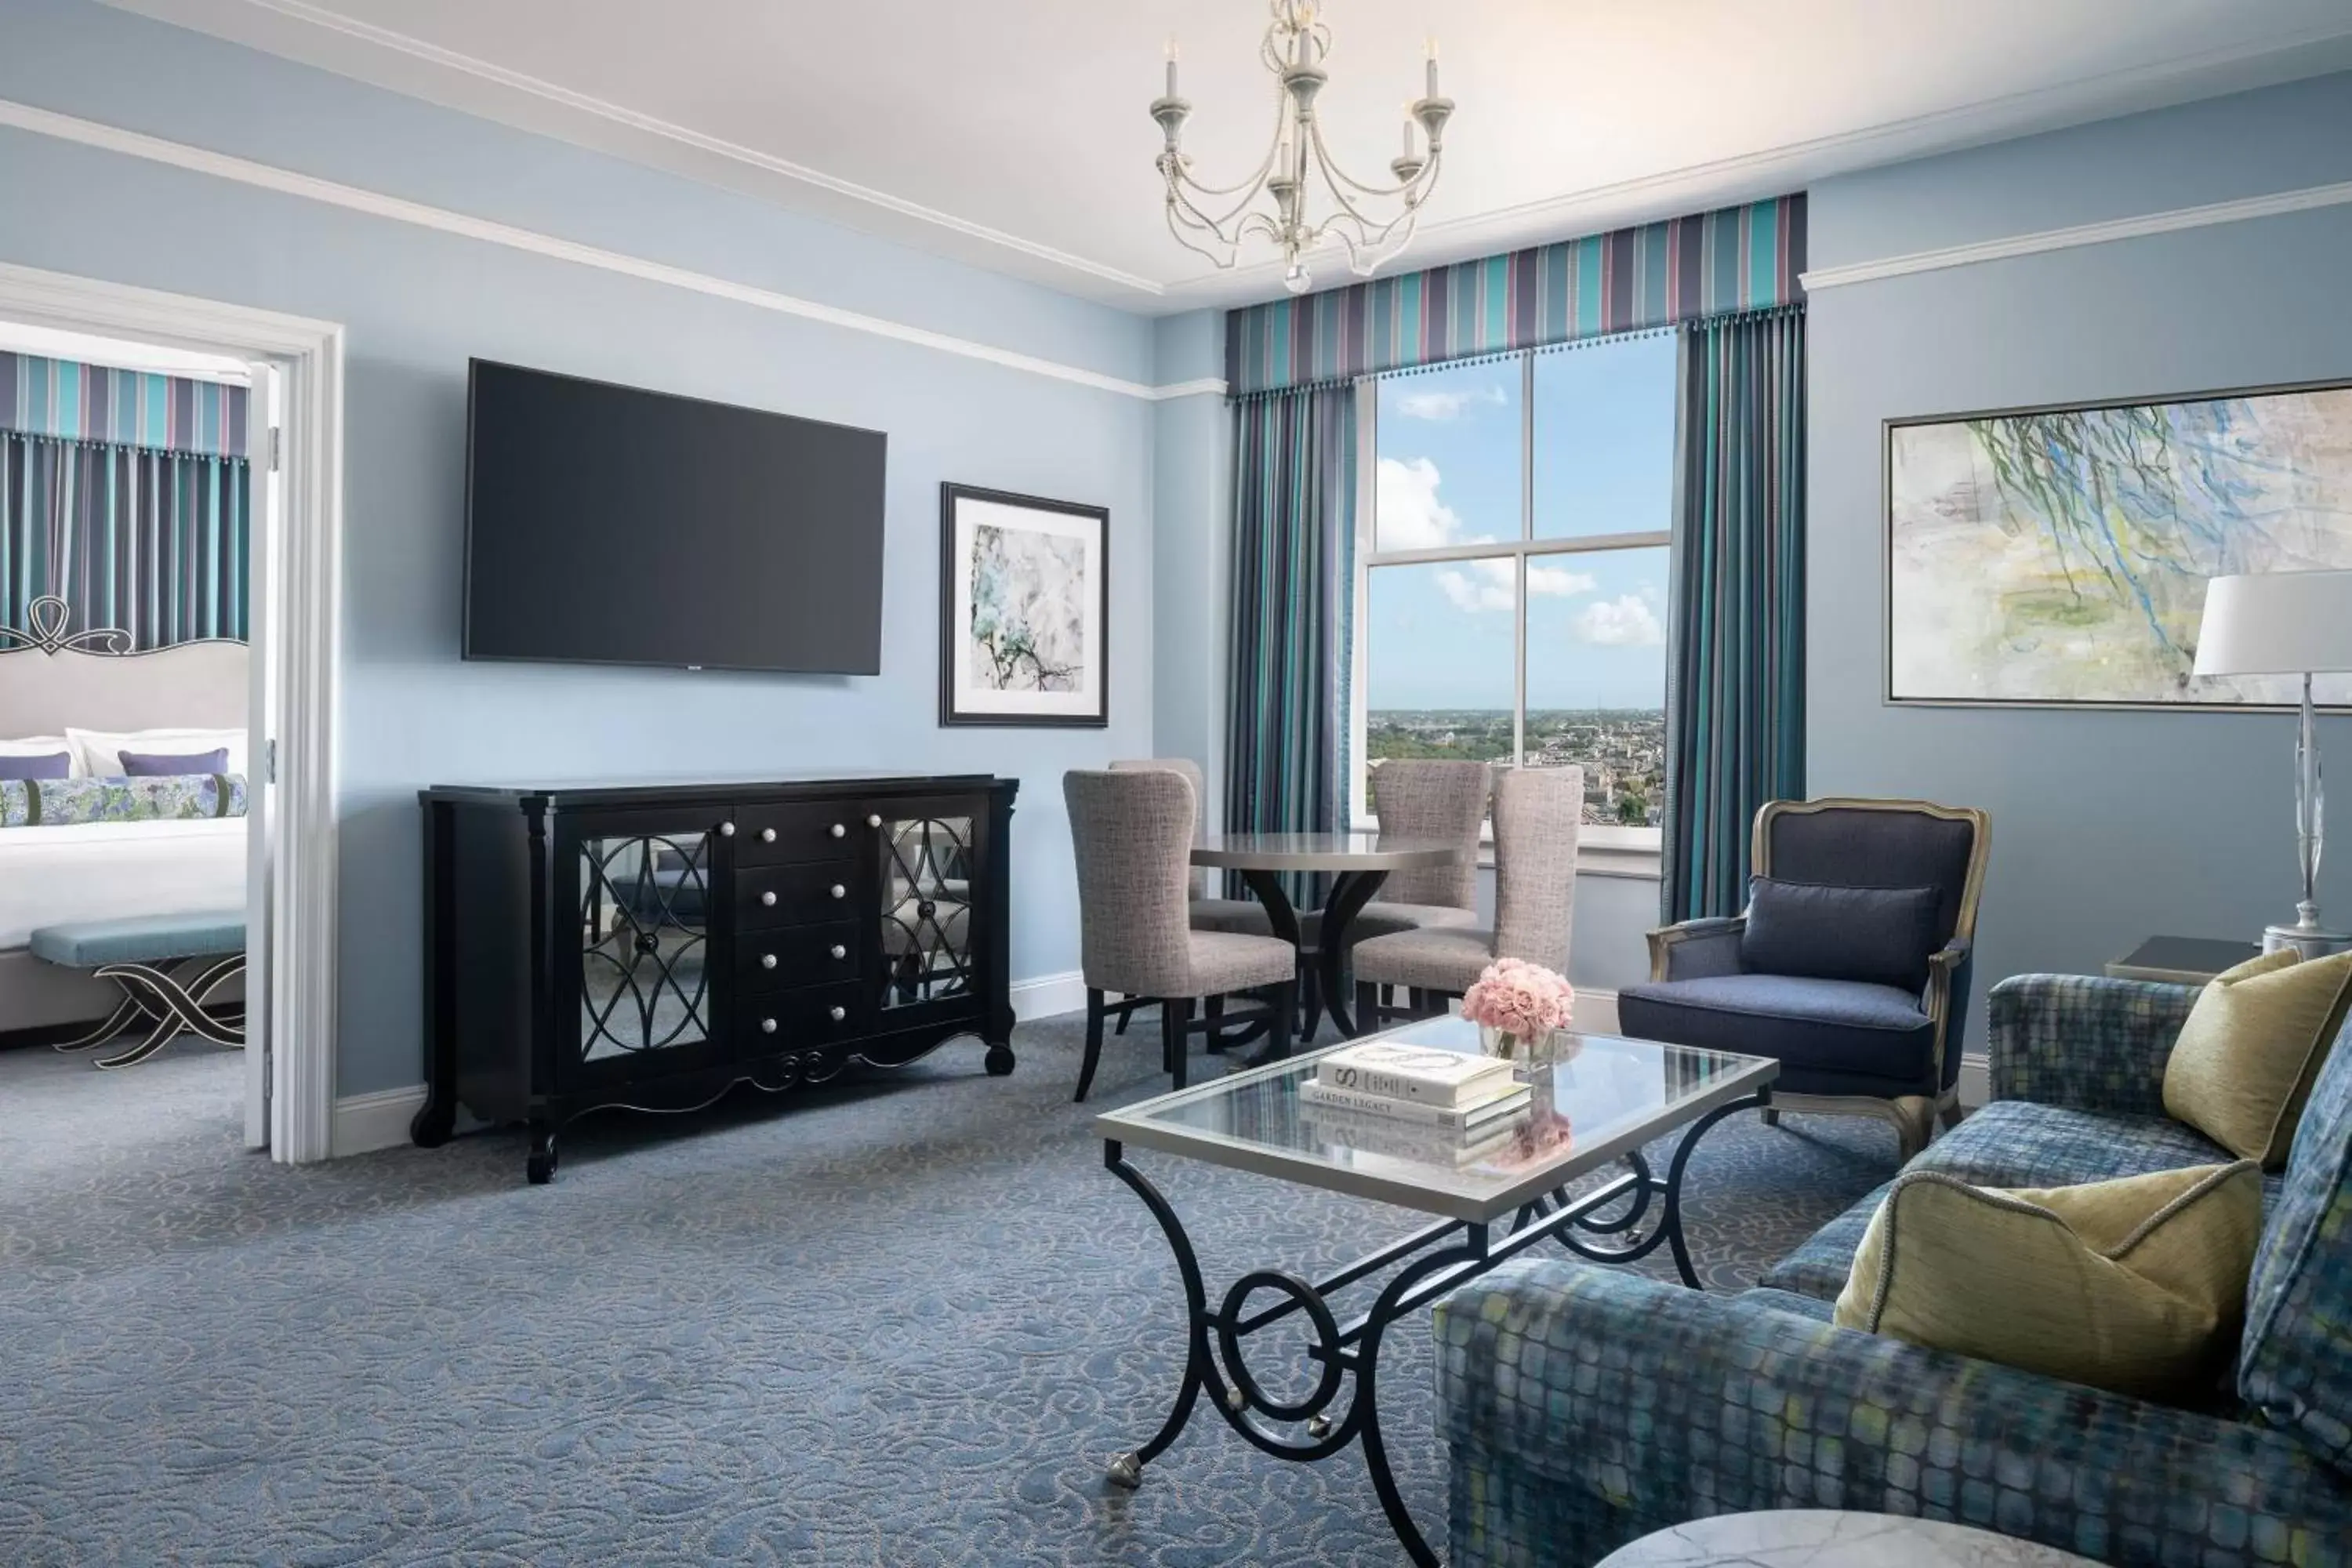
[1207, 386]
[399, 209]
[2168, 222]
[452, 62]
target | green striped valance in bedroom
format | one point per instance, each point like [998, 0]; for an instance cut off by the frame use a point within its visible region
[73, 401]
[1738, 258]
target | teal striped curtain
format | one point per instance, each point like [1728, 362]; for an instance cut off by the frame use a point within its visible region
[1293, 566]
[1735, 688]
[153, 544]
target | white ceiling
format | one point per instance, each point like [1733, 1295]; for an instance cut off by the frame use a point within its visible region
[1013, 133]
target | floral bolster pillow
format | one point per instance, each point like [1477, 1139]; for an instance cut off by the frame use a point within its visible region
[171, 797]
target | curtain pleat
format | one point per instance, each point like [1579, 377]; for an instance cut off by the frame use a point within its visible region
[1294, 564]
[1735, 692]
[148, 542]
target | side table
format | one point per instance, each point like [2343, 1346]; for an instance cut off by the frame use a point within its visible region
[2181, 960]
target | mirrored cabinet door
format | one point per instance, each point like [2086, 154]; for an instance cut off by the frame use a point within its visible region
[645, 906]
[926, 909]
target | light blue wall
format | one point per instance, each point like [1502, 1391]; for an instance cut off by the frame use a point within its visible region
[418, 303]
[1191, 549]
[2107, 827]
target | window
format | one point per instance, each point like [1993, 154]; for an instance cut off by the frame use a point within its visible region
[1512, 560]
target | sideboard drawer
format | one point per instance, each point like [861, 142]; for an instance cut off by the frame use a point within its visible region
[786, 835]
[787, 956]
[798, 1020]
[794, 895]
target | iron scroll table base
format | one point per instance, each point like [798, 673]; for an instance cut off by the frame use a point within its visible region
[153, 994]
[1435, 1259]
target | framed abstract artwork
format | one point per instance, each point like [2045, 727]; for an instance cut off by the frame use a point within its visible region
[2058, 557]
[1024, 605]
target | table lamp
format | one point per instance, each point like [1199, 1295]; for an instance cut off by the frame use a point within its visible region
[2286, 622]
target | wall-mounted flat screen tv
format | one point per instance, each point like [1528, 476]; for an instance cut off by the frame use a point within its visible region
[609, 525]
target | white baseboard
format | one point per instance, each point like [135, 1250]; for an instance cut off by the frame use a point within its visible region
[1596, 1010]
[1976, 1079]
[366, 1122]
[1048, 996]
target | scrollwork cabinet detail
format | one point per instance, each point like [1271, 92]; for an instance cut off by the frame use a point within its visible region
[655, 947]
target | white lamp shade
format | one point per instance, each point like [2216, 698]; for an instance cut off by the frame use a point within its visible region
[2276, 622]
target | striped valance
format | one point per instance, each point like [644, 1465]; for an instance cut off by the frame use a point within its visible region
[73, 401]
[1739, 259]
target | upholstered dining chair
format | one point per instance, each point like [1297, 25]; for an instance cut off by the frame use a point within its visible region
[1851, 964]
[1536, 813]
[1132, 833]
[1246, 915]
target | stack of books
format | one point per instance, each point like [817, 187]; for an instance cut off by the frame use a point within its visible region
[1413, 1101]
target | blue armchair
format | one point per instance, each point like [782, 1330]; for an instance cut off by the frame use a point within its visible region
[1848, 1044]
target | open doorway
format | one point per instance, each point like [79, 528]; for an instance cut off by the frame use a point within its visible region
[167, 612]
[136, 511]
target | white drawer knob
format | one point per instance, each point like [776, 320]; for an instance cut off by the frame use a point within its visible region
[767, 961]
[873, 822]
[726, 830]
[839, 831]
[767, 1026]
[839, 1013]
[767, 836]
[839, 951]
[769, 899]
[839, 891]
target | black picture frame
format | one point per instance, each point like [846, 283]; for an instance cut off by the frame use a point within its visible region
[952, 714]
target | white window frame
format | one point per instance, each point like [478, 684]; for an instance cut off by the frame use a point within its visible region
[1601, 848]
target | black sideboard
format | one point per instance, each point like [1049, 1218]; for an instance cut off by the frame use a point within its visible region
[654, 946]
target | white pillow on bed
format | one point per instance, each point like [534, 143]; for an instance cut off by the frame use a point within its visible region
[36, 746]
[97, 754]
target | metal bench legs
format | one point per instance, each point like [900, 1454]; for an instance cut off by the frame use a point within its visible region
[156, 995]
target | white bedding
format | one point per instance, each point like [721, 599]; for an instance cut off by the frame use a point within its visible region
[97, 871]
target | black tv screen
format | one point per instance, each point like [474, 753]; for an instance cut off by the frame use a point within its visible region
[609, 525]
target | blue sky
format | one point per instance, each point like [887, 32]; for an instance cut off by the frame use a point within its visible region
[1448, 472]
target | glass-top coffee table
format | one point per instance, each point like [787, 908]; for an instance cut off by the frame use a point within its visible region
[1496, 1194]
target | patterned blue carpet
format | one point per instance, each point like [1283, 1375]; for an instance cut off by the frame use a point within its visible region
[902, 1323]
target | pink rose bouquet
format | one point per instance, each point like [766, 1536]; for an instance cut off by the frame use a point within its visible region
[1519, 1002]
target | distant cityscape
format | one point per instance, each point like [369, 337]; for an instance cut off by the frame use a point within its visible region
[1623, 750]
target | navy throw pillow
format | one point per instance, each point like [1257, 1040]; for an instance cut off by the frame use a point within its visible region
[1881, 935]
[159, 764]
[41, 765]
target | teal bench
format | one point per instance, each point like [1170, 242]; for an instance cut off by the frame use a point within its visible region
[139, 953]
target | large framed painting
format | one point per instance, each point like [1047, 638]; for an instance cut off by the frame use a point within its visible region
[1024, 606]
[2058, 557]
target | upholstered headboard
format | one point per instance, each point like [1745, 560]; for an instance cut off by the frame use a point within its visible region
[52, 676]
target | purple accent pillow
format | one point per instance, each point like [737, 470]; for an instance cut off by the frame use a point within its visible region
[53, 765]
[157, 765]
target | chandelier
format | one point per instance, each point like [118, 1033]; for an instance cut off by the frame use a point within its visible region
[1296, 46]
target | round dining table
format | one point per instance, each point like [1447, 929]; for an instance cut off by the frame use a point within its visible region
[1358, 863]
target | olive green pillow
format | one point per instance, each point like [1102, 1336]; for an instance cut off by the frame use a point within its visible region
[2137, 1285]
[2245, 1059]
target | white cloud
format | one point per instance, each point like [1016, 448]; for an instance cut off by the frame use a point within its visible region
[1411, 517]
[1477, 587]
[1626, 621]
[1557, 582]
[1445, 407]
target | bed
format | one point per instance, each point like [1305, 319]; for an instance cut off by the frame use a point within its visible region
[54, 677]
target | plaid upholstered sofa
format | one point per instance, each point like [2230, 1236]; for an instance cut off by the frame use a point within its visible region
[1584, 1406]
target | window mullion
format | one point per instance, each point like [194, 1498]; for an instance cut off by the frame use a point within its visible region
[1527, 533]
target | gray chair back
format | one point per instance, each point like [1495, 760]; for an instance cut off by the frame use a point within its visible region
[1880, 844]
[1537, 812]
[1415, 798]
[1191, 770]
[1132, 833]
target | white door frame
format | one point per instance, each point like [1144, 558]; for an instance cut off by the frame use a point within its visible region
[297, 668]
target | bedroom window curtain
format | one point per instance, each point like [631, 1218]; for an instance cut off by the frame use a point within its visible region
[150, 542]
[1735, 681]
[1294, 562]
